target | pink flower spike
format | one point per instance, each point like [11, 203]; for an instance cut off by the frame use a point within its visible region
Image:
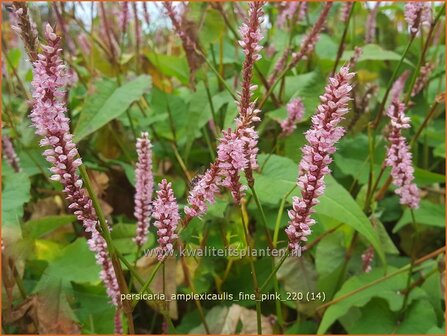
[367, 259]
[417, 14]
[231, 161]
[124, 16]
[144, 188]
[166, 218]
[345, 10]
[422, 80]
[204, 191]
[321, 139]
[295, 112]
[399, 157]
[10, 154]
[398, 86]
[370, 31]
[48, 117]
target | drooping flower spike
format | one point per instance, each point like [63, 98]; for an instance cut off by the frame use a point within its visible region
[422, 80]
[307, 45]
[144, 187]
[48, 117]
[321, 139]
[166, 219]
[294, 11]
[203, 192]
[10, 154]
[190, 42]
[310, 40]
[237, 150]
[26, 29]
[398, 86]
[399, 157]
[295, 112]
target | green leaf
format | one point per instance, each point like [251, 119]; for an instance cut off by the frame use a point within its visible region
[173, 66]
[388, 290]
[108, 105]
[93, 309]
[37, 228]
[330, 254]
[428, 214]
[15, 193]
[123, 235]
[279, 176]
[374, 52]
[76, 263]
[198, 115]
[426, 177]
[419, 318]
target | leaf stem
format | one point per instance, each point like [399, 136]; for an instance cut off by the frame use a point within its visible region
[279, 216]
[253, 274]
[390, 84]
[341, 46]
[261, 210]
[385, 277]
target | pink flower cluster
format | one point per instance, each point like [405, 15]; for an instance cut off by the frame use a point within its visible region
[124, 16]
[417, 14]
[399, 157]
[10, 154]
[144, 187]
[293, 11]
[314, 164]
[26, 28]
[248, 113]
[307, 45]
[370, 31]
[231, 160]
[48, 117]
[189, 40]
[345, 10]
[422, 80]
[203, 192]
[310, 40]
[367, 259]
[166, 218]
[398, 86]
[295, 112]
[355, 57]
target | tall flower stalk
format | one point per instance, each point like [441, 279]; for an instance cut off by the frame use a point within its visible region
[144, 187]
[48, 117]
[307, 46]
[187, 35]
[399, 157]
[321, 139]
[237, 150]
